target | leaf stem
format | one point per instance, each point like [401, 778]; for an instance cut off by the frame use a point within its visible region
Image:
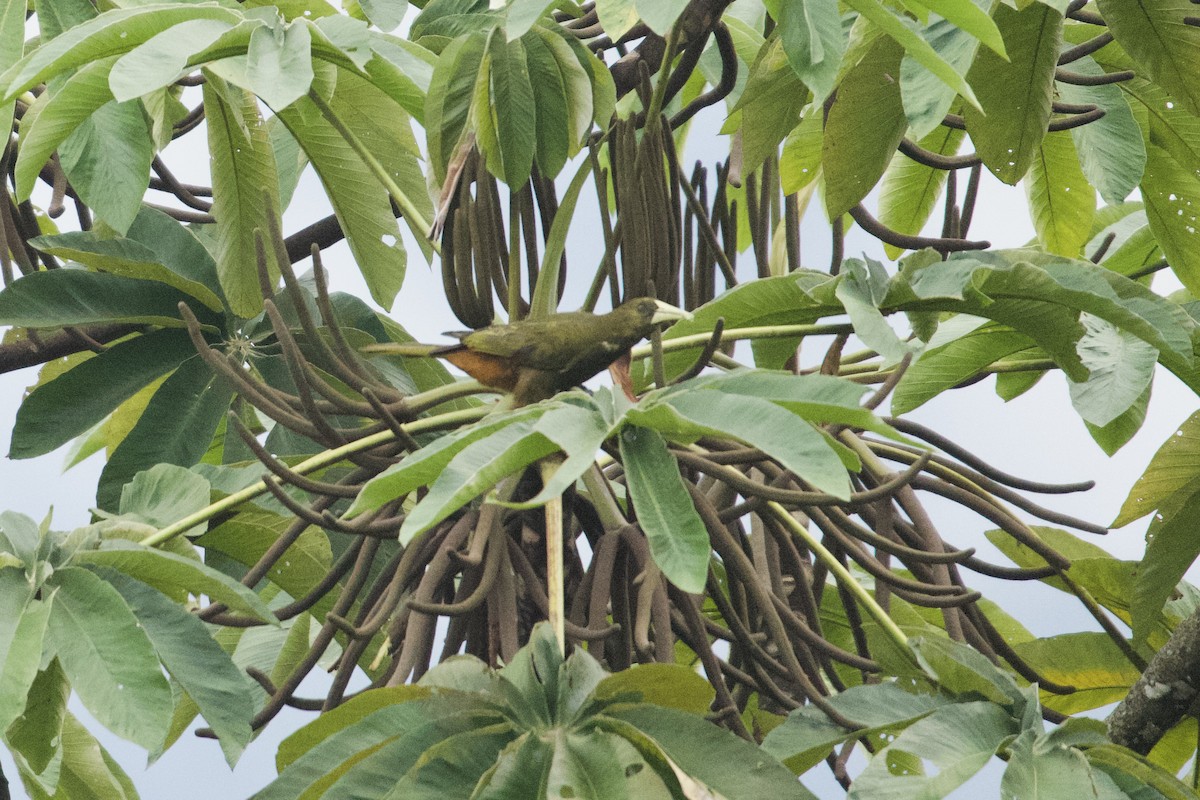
[319, 461]
[555, 597]
[738, 334]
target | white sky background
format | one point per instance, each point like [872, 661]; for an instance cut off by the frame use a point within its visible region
[1038, 436]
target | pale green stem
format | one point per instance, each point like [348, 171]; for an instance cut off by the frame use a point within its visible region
[319, 461]
[738, 334]
[555, 598]
[415, 219]
[843, 577]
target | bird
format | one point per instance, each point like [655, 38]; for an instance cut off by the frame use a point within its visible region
[534, 359]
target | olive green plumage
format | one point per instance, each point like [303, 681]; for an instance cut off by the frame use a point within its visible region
[535, 359]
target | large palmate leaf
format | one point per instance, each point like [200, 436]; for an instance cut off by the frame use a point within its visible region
[132, 258]
[464, 731]
[769, 106]
[957, 739]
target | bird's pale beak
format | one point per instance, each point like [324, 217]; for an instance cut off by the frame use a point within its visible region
[668, 313]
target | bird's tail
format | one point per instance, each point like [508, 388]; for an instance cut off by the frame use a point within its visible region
[407, 349]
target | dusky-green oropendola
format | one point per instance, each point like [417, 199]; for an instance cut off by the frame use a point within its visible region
[533, 360]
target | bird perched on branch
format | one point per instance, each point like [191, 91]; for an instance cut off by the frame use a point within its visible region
[535, 359]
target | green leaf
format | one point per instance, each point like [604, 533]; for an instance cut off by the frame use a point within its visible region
[358, 199]
[1061, 200]
[812, 37]
[760, 423]
[617, 16]
[245, 190]
[862, 288]
[948, 365]
[667, 685]
[819, 399]
[246, 538]
[87, 771]
[1158, 38]
[808, 735]
[910, 190]
[677, 536]
[126, 257]
[1135, 774]
[520, 15]
[706, 752]
[423, 466]
[172, 574]
[1116, 434]
[562, 92]
[385, 14]
[964, 671]
[12, 45]
[107, 159]
[1174, 468]
[188, 651]
[927, 98]
[108, 659]
[449, 102]
[37, 733]
[164, 493]
[1111, 150]
[957, 740]
[1171, 192]
[279, 63]
[1039, 768]
[510, 111]
[54, 298]
[474, 470]
[111, 33]
[1015, 95]
[521, 770]
[660, 15]
[970, 17]
[579, 433]
[1121, 367]
[175, 428]
[1171, 547]
[800, 160]
[769, 106]
[1087, 660]
[23, 621]
[54, 116]
[162, 59]
[863, 127]
[68, 406]
[901, 30]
